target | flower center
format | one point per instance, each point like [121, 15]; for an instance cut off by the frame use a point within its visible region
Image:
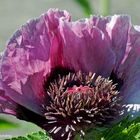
[81, 89]
[77, 101]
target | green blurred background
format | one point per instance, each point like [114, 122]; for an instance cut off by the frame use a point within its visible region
[14, 13]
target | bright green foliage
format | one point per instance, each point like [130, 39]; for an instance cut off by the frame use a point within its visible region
[85, 4]
[125, 130]
[5, 124]
[34, 136]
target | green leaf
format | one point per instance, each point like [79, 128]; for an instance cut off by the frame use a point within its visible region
[5, 124]
[34, 136]
[85, 4]
[125, 130]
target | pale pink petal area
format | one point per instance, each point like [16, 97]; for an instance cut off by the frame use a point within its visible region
[129, 71]
[53, 19]
[27, 60]
[7, 106]
[116, 29]
[86, 48]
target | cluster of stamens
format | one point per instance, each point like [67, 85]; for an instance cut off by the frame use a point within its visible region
[77, 102]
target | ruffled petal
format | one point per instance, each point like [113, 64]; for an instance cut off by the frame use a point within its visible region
[86, 48]
[27, 60]
[129, 71]
[53, 19]
[7, 106]
[116, 30]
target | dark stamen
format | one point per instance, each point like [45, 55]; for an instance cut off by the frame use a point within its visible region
[78, 102]
[117, 80]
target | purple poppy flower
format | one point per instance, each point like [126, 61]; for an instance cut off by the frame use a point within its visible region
[69, 76]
